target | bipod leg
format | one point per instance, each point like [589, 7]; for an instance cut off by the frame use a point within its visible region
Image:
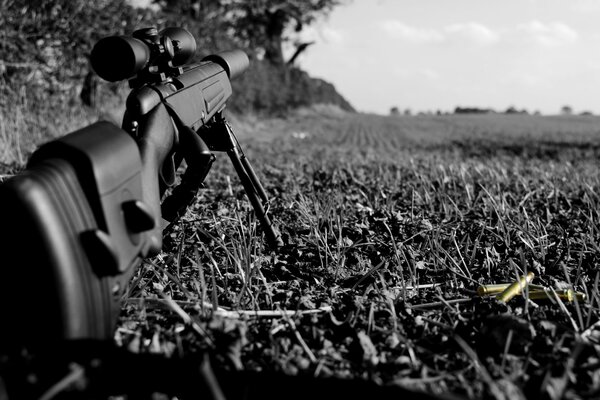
[253, 187]
[253, 178]
[254, 190]
[220, 137]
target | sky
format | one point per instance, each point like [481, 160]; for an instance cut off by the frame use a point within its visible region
[428, 55]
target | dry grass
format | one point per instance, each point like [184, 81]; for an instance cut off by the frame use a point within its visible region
[26, 122]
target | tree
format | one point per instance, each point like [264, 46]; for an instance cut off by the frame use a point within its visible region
[513, 110]
[46, 42]
[191, 8]
[566, 110]
[262, 24]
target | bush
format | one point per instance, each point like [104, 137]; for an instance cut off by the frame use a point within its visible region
[273, 89]
[46, 43]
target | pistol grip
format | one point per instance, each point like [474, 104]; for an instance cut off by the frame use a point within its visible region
[156, 140]
[199, 159]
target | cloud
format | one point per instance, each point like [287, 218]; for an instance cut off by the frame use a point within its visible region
[547, 34]
[472, 32]
[410, 34]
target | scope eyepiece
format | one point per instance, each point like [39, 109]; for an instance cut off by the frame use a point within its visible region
[116, 58]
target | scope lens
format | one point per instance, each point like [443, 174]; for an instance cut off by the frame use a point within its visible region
[185, 46]
[115, 58]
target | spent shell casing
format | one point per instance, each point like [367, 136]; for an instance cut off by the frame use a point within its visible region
[488, 290]
[568, 295]
[515, 288]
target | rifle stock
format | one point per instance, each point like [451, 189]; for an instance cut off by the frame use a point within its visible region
[68, 252]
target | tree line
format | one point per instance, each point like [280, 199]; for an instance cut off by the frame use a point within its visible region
[46, 44]
[511, 110]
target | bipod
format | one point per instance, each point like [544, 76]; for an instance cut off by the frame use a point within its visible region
[219, 136]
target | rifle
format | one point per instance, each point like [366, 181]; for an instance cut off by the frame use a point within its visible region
[87, 209]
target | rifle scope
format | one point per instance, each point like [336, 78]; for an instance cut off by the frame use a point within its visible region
[149, 53]
[116, 58]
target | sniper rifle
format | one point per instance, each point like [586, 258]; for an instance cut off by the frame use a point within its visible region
[87, 209]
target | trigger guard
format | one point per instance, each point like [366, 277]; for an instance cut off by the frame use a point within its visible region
[167, 172]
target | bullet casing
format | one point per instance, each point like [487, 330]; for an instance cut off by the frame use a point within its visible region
[568, 295]
[515, 288]
[536, 292]
[488, 290]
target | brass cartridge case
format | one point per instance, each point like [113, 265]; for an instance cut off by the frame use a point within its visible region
[488, 290]
[515, 288]
[568, 295]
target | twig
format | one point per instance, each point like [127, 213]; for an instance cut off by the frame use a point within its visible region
[76, 374]
[184, 316]
[173, 278]
[423, 286]
[438, 304]
[222, 312]
[398, 290]
[303, 344]
[163, 304]
[274, 314]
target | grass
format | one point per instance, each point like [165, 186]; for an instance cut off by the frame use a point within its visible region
[393, 224]
[390, 226]
[26, 122]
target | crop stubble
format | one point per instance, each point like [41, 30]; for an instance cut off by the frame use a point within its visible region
[390, 225]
